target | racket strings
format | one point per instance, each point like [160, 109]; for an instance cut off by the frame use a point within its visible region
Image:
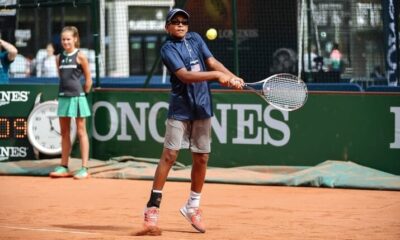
[285, 91]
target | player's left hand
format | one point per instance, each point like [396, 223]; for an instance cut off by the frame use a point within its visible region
[236, 83]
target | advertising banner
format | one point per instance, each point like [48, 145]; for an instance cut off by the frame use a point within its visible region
[391, 36]
[359, 127]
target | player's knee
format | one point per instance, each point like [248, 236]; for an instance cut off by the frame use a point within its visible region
[65, 136]
[81, 133]
[169, 160]
[170, 156]
[201, 158]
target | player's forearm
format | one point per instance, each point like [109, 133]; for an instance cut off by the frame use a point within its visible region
[88, 84]
[192, 77]
[86, 71]
[12, 51]
[216, 65]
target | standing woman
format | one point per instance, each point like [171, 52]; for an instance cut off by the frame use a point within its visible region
[72, 103]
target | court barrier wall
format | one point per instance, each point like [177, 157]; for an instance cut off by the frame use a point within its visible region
[356, 126]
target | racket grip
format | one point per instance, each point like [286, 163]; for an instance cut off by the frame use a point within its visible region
[235, 83]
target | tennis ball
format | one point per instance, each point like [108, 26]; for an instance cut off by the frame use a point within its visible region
[211, 34]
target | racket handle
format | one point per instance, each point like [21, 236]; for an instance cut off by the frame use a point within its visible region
[235, 84]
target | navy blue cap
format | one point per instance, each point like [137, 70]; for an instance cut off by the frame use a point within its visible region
[175, 11]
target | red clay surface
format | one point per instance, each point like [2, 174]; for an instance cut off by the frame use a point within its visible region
[44, 208]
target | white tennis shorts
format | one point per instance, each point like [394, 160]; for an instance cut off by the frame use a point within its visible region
[194, 135]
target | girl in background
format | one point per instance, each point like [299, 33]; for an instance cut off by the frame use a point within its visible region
[72, 103]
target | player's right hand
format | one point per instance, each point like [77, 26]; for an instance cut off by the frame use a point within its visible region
[237, 83]
[224, 80]
[230, 82]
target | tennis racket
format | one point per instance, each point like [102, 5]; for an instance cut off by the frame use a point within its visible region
[283, 91]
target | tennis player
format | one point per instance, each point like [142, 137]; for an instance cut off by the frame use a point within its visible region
[72, 102]
[192, 68]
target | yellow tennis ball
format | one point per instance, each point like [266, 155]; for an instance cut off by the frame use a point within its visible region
[211, 34]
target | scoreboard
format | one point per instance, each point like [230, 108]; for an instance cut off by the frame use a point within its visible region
[14, 143]
[13, 128]
[16, 103]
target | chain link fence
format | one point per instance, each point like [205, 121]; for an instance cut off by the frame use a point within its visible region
[123, 38]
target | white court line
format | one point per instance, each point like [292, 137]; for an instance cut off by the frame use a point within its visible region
[46, 230]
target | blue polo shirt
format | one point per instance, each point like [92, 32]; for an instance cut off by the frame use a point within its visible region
[4, 67]
[188, 101]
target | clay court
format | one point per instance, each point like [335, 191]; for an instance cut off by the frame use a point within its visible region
[44, 208]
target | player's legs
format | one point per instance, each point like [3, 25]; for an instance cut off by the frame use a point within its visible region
[82, 173]
[200, 139]
[83, 139]
[167, 160]
[174, 139]
[175, 131]
[151, 212]
[191, 210]
[200, 145]
[199, 169]
[62, 170]
[65, 124]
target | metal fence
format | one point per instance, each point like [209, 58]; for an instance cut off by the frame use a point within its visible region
[256, 38]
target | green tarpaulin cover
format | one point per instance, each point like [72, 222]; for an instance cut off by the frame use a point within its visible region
[332, 174]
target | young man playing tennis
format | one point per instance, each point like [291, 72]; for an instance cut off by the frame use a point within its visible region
[192, 67]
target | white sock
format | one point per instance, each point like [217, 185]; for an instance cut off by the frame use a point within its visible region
[194, 200]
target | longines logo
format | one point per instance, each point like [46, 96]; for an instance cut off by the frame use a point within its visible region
[14, 152]
[6, 97]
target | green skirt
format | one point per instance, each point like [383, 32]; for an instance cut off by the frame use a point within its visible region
[73, 107]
